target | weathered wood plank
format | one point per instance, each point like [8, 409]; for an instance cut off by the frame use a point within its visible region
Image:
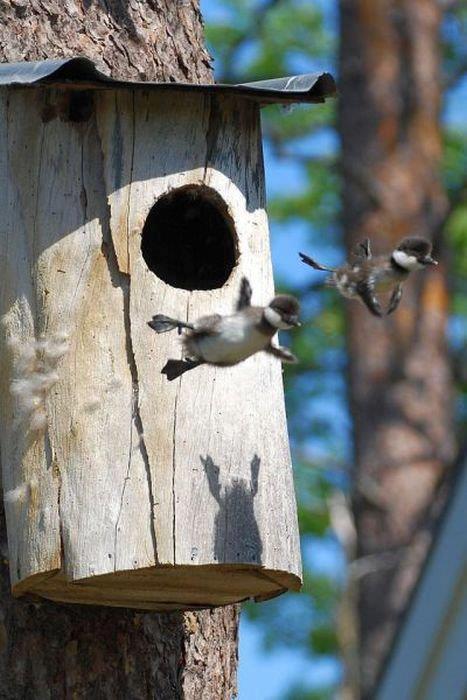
[168, 588]
[174, 159]
[116, 124]
[94, 454]
[95, 441]
[29, 485]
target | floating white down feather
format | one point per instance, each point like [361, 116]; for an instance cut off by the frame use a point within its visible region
[35, 373]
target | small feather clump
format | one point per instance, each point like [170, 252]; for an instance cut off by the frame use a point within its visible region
[35, 374]
[20, 494]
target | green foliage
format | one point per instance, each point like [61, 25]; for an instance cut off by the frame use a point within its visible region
[301, 120]
[454, 43]
[291, 620]
[298, 693]
[265, 39]
[454, 159]
[454, 171]
[323, 639]
[456, 234]
[320, 196]
[455, 179]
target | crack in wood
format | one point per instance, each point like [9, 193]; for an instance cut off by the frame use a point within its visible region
[144, 453]
[122, 280]
[53, 464]
[174, 445]
[33, 252]
[125, 482]
[130, 180]
[212, 132]
[84, 204]
[136, 415]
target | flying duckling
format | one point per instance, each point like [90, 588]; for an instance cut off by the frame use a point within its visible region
[227, 340]
[364, 277]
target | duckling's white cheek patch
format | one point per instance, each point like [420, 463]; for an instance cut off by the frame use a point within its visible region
[275, 319]
[408, 262]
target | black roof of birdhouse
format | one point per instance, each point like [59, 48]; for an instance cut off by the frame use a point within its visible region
[82, 73]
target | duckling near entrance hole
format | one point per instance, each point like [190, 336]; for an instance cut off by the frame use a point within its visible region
[227, 340]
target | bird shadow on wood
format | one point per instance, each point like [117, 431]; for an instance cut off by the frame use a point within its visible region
[237, 537]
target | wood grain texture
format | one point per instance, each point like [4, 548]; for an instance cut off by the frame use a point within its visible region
[159, 494]
[33, 520]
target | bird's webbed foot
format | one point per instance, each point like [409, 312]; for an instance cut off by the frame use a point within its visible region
[162, 324]
[312, 263]
[175, 368]
[283, 354]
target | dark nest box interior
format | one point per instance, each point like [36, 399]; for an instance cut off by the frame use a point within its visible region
[189, 239]
[121, 200]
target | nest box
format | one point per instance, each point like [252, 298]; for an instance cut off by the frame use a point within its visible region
[120, 200]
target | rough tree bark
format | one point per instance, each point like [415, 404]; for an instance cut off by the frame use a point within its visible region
[399, 380]
[137, 40]
[55, 651]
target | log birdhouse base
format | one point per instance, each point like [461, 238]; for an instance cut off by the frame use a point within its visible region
[120, 201]
[166, 587]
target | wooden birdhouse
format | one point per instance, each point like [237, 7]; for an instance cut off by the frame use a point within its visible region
[120, 200]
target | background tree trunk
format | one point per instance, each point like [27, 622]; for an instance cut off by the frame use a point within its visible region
[54, 651]
[399, 378]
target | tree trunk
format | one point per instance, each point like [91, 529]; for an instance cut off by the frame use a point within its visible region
[399, 380]
[54, 651]
[138, 40]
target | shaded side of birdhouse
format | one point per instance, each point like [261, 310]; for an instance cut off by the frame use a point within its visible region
[122, 488]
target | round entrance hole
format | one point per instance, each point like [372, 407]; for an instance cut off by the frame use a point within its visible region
[189, 239]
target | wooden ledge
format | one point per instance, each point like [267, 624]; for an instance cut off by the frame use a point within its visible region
[164, 587]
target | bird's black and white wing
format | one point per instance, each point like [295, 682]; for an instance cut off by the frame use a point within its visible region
[366, 292]
[361, 253]
[244, 296]
[364, 249]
